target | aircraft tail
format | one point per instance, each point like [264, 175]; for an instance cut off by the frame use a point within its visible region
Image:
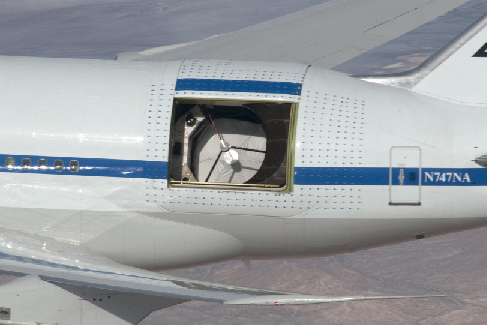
[455, 73]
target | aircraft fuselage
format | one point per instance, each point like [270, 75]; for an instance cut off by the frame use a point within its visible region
[94, 143]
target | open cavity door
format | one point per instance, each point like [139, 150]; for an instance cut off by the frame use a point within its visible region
[220, 144]
[405, 176]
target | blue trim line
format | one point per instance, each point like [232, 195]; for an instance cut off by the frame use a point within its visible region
[92, 167]
[103, 167]
[380, 176]
[341, 176]
[239, 86]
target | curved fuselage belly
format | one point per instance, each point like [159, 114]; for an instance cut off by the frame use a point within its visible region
[352, 139]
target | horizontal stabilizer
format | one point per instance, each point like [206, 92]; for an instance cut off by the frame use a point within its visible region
[324, 35]
[456, 73]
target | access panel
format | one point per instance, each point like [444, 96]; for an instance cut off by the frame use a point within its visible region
[405, 176]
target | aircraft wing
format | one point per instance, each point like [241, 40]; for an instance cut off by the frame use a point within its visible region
[324, 35]
[60, 262]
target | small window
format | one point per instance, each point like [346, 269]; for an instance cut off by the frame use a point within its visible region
[10, 163]
[25, 163]
[42, 164]
[58, 165]
[74, 165]
[412, 176]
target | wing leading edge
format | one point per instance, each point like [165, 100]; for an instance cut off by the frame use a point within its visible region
[55, 261]
[324, 35]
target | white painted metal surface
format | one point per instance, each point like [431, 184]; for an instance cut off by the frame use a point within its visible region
[344, 132]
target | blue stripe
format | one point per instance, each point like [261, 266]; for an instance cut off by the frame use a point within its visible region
[341, 176]
[380, 176]
[239, 86]
[92, 167]
[302, 175]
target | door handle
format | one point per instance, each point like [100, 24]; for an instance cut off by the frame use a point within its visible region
[401, 176]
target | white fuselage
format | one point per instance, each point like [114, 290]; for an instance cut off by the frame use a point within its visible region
[353, 142]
